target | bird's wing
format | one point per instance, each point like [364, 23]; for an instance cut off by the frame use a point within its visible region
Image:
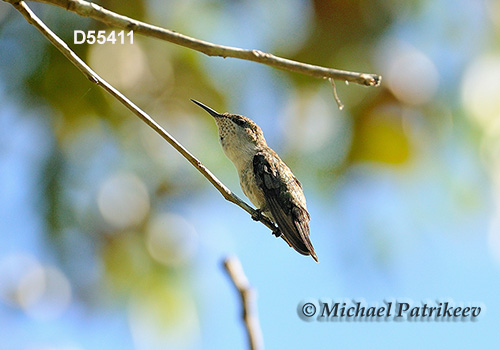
[283, 194]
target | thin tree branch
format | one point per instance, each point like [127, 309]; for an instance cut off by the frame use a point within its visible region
[335, 95]
[248, 298]
[95, 78]
[89, 9]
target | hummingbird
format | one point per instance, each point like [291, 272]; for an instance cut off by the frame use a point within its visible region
[265, 179]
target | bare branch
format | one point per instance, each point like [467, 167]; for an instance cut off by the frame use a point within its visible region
[248, 298]
[95, 78]
[335, 95]
[89, 9]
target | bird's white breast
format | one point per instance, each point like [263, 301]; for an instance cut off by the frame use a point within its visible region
[249, 186]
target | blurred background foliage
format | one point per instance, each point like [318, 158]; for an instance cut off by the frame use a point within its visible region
[106, 229]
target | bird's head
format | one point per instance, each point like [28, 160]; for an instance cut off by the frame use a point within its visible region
[236, 133]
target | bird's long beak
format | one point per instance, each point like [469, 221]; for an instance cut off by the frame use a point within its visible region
[208, 109]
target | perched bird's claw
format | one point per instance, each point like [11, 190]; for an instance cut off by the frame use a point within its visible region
[277, 232]
[257, 216]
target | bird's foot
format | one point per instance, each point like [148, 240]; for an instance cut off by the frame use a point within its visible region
[277, 232]
[258, 215]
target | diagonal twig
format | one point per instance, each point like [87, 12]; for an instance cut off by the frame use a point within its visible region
[94, 11]
[248, 297]
[95, 78]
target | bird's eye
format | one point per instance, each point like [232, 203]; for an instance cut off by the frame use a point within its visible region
[240, 122]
